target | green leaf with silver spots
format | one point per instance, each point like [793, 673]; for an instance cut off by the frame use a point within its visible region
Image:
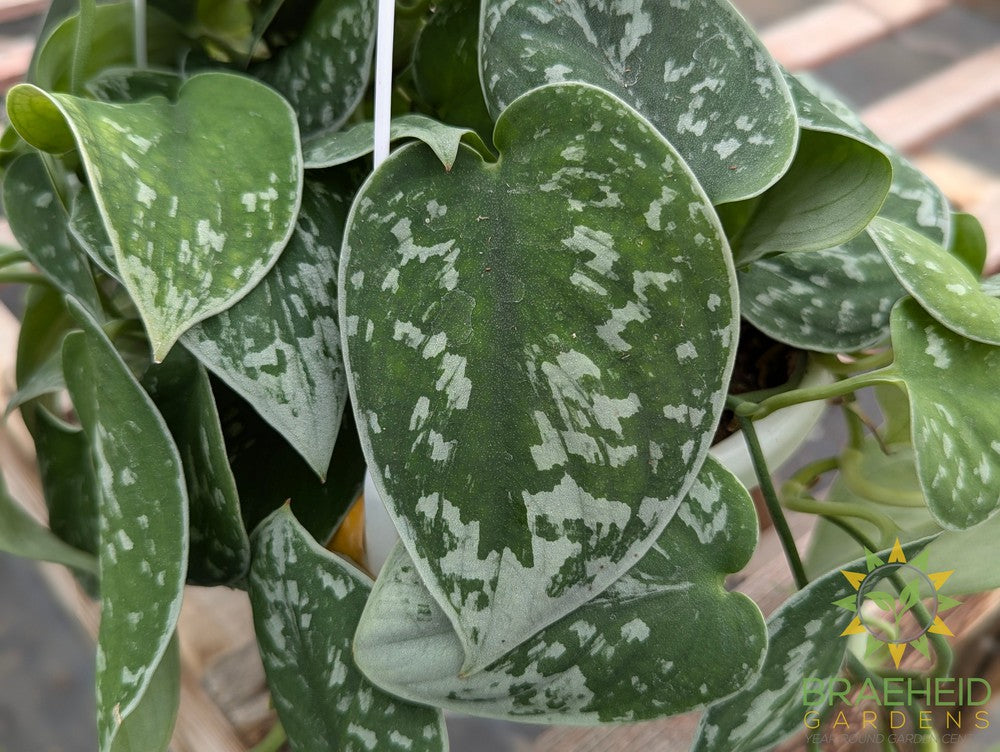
[695, 69]
[665, 638]
[803, 641]
[941, 282]
[306, 604]
[40, 224]
[87, 229]
[219, 549]
[328, 149]
[835, 300]
[190, 238]
[954, 437]
[833, 189]
[143, 522]
[279, 347]
[325, 71]
[537, 372]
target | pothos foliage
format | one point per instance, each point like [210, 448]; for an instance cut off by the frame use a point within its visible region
[523, 323]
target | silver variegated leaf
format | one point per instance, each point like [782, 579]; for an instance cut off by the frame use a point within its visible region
[325, 70]
[279, 347]
[40, 224]
[940, 281]
[663, 639]
[190, 238]
[835, 300]
[954, 432]
[143, 522]
[538, 352]
[694, 68]
[306, 604]
[804, 640]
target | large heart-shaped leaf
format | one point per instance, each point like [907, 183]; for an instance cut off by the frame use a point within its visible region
[804, 641]
[665, 638]
[538, 351]
[833, 189]
[695, 69]
[324, 72]
[836, 300]
[279, 347]
[143, 521]
[446, 66]
[328, 149]
[220, 549]
[955, 438]
[190, 238]
[256, 449]
[40, 223]
[306, 604]
[22, 535]
[940, 281]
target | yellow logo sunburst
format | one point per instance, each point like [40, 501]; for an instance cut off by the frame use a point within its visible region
[885, 603]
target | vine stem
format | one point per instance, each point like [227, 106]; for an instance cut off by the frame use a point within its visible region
[812, 394]
[81, 49]
[773, 505]
[274, 740]
[383, 79]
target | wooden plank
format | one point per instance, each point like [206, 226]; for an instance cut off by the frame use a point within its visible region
[912, 118]
[15, 57]
[833, 29]
[16, 10]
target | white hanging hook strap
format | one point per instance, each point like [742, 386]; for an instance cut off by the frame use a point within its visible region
[383, 79]
[141, 58]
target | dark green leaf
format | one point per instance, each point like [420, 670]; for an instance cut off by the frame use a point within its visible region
[143, 522]
[537, 372]
[190, 238]
[325, 71]
[695, 69]
[151, 725]
[40, 223]
[665, 638]
[220, 550]
[134, 84]
[968, 241]
[306, 604]
[23, 535]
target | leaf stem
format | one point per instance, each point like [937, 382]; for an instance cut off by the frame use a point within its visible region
[799, 502]
[274, 740]
[11, 256]
[22, 277]
[81, 50]
[860, 365]
[139, 30]
[773, 505]
[815, 393]
[850, 467]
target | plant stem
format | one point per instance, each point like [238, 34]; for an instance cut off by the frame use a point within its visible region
[810, 473]
[850, 466]
[773, 505]
[862, 364]
[12, 256]
[802, 503]
[274, 740]
[22, 277]
[383, 79]
[813, 394]
[81, 50]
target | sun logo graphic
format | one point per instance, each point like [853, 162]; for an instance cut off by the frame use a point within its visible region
[897, 603]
